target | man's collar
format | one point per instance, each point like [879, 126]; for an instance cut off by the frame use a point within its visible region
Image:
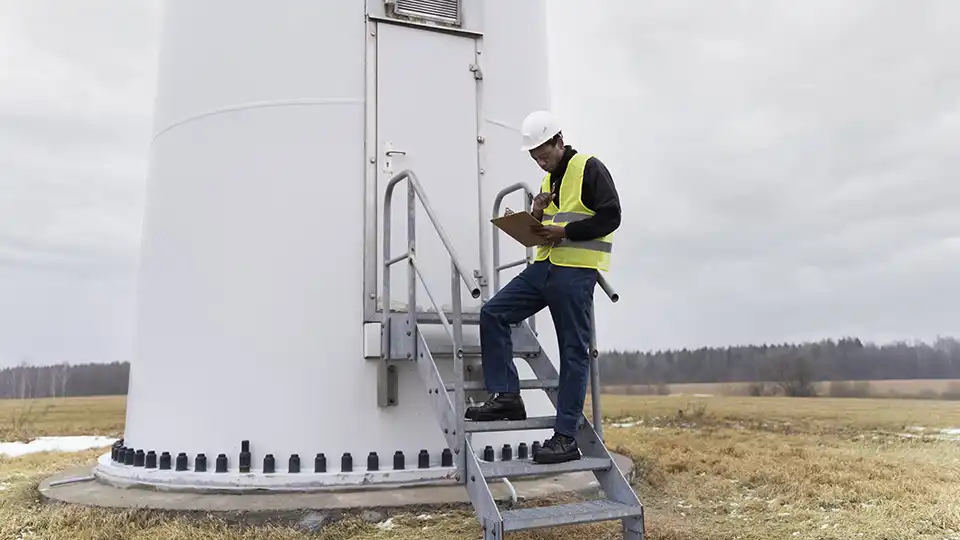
[568, 152]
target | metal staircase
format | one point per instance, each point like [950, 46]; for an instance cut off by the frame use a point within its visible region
[403, 340]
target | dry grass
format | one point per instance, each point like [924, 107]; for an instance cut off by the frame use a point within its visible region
[22, 420]
[749, 468]
[901, 389]
[800, 415]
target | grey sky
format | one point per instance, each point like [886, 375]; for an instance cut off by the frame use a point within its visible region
[787, 168]
[76, 92]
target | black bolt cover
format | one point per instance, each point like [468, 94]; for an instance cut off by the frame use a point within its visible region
[522, 451]
[244, 456]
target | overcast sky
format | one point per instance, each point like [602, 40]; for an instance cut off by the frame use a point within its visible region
[788, 170]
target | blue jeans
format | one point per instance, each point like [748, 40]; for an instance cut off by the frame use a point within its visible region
[568, 292]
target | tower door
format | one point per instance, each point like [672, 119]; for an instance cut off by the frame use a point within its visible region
[427, 123]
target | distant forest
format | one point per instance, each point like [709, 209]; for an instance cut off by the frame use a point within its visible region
[794, 368]
[64, 380]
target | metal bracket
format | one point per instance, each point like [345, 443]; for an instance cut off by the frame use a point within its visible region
[402, 341]
[492, 529]
[633, 528]
[401, 347]
[477, 72]
[388, 388]
[481, 279]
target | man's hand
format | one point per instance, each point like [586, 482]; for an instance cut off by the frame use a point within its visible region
[540, 203]
[551, 234]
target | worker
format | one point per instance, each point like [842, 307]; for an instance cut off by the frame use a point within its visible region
[579, 209]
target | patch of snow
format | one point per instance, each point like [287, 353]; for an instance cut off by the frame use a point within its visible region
[627, 422]
[703, 395]
[54, 444]
[4, 486]
[949, 434]
[386, 525]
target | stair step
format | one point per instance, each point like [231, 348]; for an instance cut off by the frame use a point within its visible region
[525, 384]
[431, 317]
[567, 514]
[536, 422]
[445, 350]
[527, 467]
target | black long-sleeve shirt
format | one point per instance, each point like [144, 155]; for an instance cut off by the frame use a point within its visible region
[598, 194]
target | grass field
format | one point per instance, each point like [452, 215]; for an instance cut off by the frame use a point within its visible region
[946, 389]
[710, 468]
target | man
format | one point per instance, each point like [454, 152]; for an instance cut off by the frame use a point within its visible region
[578, 208]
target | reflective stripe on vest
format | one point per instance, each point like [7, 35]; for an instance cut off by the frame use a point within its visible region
[582, 254]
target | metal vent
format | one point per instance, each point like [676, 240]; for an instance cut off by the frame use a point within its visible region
[446, 11]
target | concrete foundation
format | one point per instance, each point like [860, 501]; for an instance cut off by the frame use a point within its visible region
[308, 510]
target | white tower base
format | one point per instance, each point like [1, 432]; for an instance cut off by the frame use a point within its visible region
[278, 125]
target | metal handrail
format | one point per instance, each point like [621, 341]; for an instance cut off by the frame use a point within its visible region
[417, 189]
[497, 267]
[608, 289]
[602, 281]
[528, 200]
[458, 273]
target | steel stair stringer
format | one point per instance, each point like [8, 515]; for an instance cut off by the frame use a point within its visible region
[612, 481]
[443, 408]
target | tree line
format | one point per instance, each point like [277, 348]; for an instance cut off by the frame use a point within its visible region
[793, 367]
[64, 380]
[790, 365]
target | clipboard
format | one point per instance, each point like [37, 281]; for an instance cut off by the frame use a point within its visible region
[519, 225]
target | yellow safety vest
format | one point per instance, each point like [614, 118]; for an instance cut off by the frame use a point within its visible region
[581, 254]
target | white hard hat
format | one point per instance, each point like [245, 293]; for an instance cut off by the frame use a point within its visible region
[537, 128]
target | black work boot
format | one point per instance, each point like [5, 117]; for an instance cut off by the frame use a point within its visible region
[498, 407]
[558, 449]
